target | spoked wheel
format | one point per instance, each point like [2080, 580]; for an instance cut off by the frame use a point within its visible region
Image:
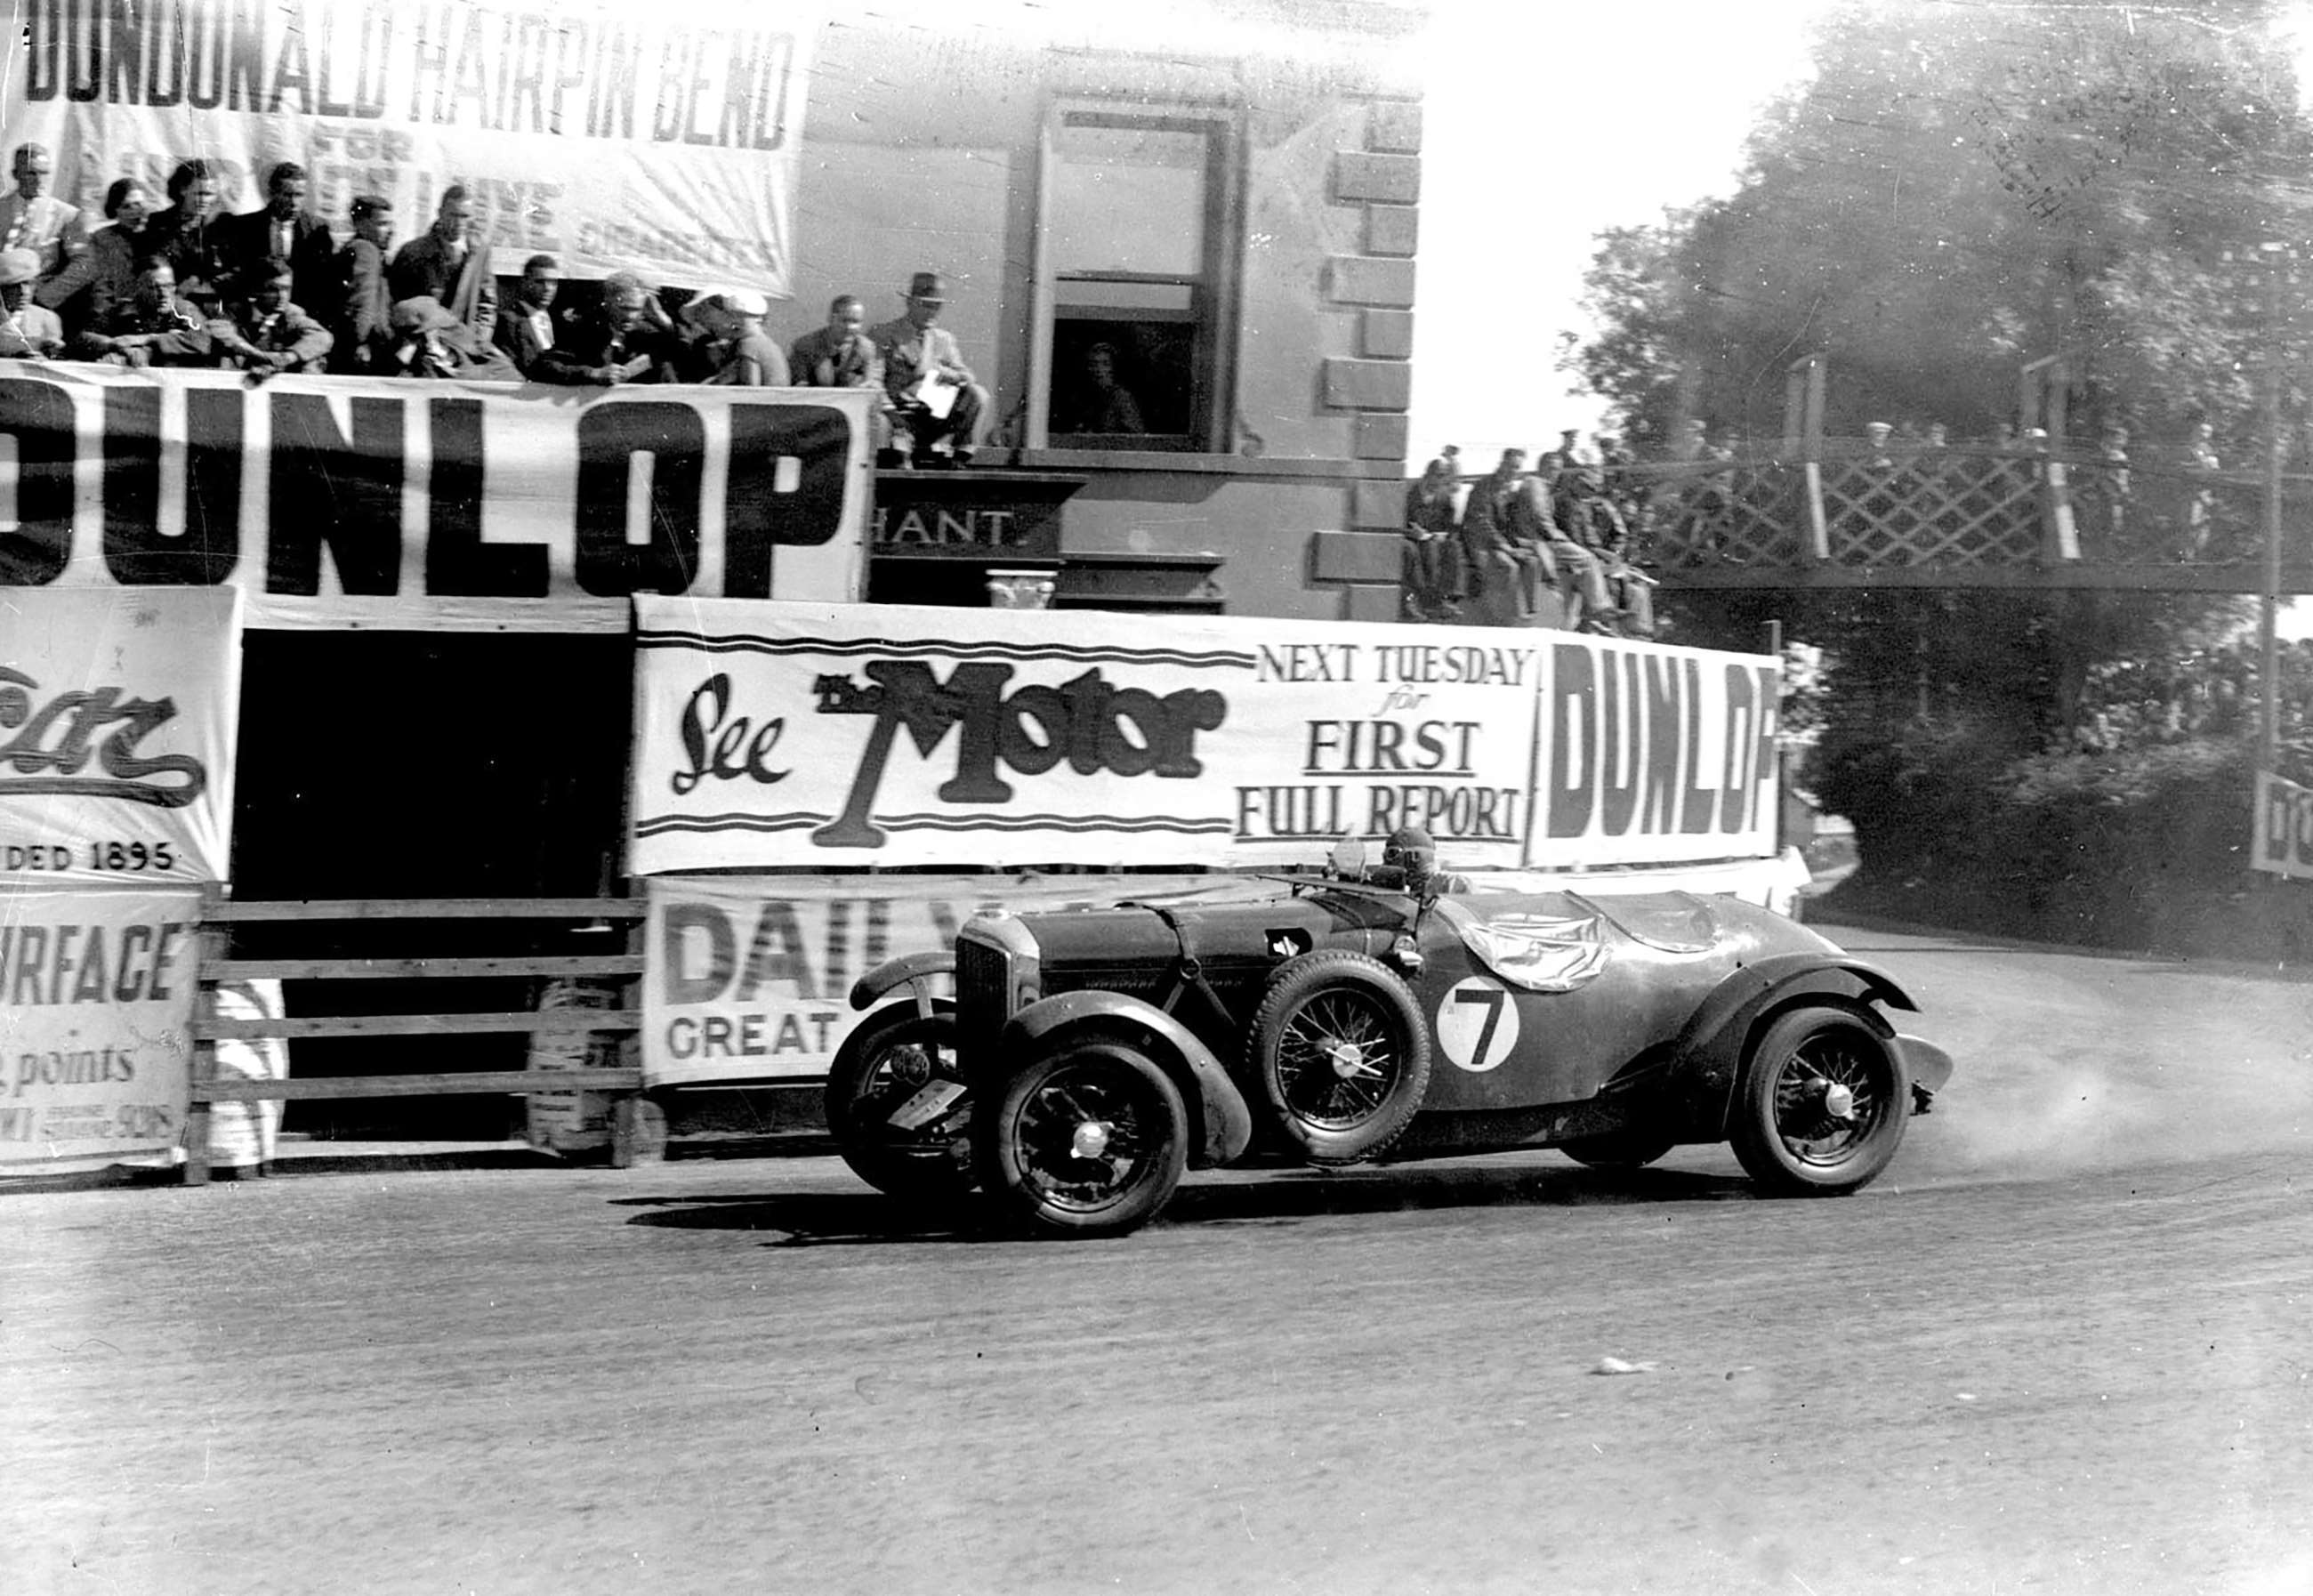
[897, 1106]
[1821, 1108]
[1088, 1140]
[1340, 1054]
[1617, 1150]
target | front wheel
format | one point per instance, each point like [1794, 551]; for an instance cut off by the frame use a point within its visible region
[897, 1106]
[1088, 1139]
[1822, 1104]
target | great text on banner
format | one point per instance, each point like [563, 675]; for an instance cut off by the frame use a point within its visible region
[434, 505]
[119, 712]
[621, 133]
[1650, 755]
[824, 736]
[749, 978]
[2284, 828]
[96, 1003]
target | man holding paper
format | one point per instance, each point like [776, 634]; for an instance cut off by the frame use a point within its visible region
[933, 393]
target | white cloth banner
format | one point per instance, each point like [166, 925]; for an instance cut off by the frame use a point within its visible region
[96, 1001]
[611, 134]
[821, 736]
[2284, 828]
[354, 501]
[118, 716]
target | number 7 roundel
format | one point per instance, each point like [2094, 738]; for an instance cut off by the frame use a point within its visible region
[1477, 1024]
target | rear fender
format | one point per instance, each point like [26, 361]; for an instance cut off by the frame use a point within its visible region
[1204, 1085]
[916, 969]
[1712, 1047]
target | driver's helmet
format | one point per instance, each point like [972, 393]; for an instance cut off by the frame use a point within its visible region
[1410, 849]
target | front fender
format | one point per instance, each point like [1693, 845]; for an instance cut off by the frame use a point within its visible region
[1710, 1046]
[910, 967]
[1210, 1093]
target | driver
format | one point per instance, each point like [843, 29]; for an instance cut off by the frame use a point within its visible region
[1410, 850]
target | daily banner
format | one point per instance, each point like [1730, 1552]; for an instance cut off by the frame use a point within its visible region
[823, 736]
[96, 1002]
[657, 136]
[346, 502]
[118, 715]
[2284, 828]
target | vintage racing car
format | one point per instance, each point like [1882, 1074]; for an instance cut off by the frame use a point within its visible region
[1089, 1056]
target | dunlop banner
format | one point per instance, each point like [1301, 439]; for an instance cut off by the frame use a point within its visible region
[2284, 828]
[611, 134]
[96, 1003]
[429, 506]
[749, 978]
[119, 712]
[793, 735]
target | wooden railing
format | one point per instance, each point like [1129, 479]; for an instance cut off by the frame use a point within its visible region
[218, 965]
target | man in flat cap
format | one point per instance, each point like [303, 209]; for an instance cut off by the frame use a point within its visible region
[28, 331]
[933, 393]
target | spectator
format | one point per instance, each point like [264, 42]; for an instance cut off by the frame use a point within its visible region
[841, 355]
[270, 332]
[624, 342]
[157, 325]
[28, 331]
[32, 219]
[750, 359]
[1432, 565]
[104, 275]
[526, 327]
[1106, 405]
[1550, 554]
[1494, 560]
[449, 264]
[934, 395]
[429, 342]
[285, 229]
[186, 234]
[365, 322]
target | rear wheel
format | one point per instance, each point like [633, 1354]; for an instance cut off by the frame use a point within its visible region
[897, 1106]
[1822, 1104]
[1088, 1139]
[1340, 1054]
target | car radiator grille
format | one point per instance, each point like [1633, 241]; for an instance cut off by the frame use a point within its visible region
[983, 991]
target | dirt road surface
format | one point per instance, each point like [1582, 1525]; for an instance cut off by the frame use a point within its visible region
[2065, 1346]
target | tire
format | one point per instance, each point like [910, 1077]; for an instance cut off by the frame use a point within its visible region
[1089, 1138]
[1340, 1054]
[1617, 1150]
[1789, 1139]
[890, 1056]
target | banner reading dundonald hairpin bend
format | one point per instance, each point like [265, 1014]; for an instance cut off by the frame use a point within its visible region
[785, 735]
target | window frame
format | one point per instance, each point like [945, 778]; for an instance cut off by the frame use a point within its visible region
[1214, 294]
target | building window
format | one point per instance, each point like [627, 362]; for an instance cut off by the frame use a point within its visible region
[1135, 280]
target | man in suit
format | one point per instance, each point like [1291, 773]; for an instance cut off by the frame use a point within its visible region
[933, 393]
[32, 219]
[284, 230]
[449, 264]
[630, 340]
[364, 323]
[526, 327]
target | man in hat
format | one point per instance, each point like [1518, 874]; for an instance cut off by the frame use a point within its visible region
[28, 331]
[749, 359]
[32, 219]
[429, 342]
[932, 392]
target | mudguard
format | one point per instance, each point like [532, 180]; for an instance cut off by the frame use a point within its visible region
[1204, 1082]
[899, 971]
[1710, 1047]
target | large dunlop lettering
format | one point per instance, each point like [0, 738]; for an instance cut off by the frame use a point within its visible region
[1628, 753]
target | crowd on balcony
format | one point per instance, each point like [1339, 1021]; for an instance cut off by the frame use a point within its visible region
[169, 280]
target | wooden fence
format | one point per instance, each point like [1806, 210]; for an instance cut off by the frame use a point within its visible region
[218, 965]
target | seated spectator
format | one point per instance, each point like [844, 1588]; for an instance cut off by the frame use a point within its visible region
[429, 342]
[933, 394]
[104, 275]
[449, 264]
[365, 322]
[749, 359]
[186, 234]
[270, 333]
[624, 342]
[160, 324]
[526, 328]
[1431, 572]
[841, 355]
[32, 219]
[28, 331]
